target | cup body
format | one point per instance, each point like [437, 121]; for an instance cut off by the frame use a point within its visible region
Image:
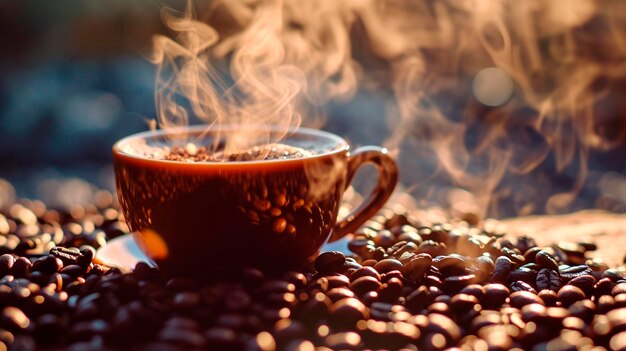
[211, 218]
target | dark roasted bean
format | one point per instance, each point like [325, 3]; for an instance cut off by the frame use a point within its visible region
[365, 284]
[387, 265]
[364, 271]
[548, 279]
[549, 297]
[66, 255]
[544, 260]
[330, 262]
[337, 294]
[575, 271]
[6, 263]
[504, 266]
[583, 309]
[495, 295]
[520, 299]
[569, 294]
[521, 286]
[347, 312]
[584, 283]
[618, 289]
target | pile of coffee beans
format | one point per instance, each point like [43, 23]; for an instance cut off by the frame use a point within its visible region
[410, 284]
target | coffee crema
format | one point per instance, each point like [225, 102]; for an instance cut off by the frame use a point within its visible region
[275, 151]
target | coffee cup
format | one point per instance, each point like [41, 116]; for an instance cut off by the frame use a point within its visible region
[205, 219]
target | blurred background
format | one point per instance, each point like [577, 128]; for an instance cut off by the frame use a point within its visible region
[499, 108]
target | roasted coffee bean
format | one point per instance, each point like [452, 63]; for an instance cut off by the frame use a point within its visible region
[524, 274]
[363, 272]
[361, 246]
[47, 265]
[548, 279]
[574, 271]
[433, 248]
[400, 248]
[521, 286]
[570, 294]
[583, 309]
[549, 297]
[618, 289]
[450, 265]
[330, 262]
[387, 265]
[390, 291]
[495, 295]
[544, 260]
[66, 255]
[463, 303]
[503, 266]
[475, 290]
[456, 283]
[519, 299]
[417, 267]
[584, 283]
[6, 263]
[365, 284]
[603, 287]
[345, 313]
[331, 282]
[14, 320]
[605, 303]
[337, 294]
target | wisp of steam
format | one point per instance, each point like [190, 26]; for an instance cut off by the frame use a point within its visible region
[484, 90]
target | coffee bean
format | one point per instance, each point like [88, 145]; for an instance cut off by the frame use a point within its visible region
[14, 320]
[569, 294]
[584, 283]
[605, 303]
[495, 295]
[521, 286]
[387, 265]
[572, 272]
[363, 272]
[400, 248]
[433, 248]
[390, 291]
[21, 268]
[365, 284]
[583, 309]
[347, 312]
[618, 289]
[524, 274]
[503, 266]
[520, 299]
[47, 265]
[544, 260]
[6, 263]
[417, 267]
[463, 303]
[66, 255]
[549, 297]
[548, 279]
[330, 262]
[456, 283]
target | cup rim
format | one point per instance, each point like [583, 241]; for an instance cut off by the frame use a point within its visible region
[343, 145]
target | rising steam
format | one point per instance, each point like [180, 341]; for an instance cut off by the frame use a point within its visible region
[274, 56]
[288, 58]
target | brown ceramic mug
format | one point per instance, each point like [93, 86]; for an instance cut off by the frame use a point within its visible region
[206, 218]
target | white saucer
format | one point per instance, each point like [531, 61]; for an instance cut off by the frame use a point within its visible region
[123, 253]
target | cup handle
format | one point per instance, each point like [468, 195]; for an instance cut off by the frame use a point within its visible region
[387, 179]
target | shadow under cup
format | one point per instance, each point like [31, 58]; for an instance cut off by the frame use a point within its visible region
[206, 219]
